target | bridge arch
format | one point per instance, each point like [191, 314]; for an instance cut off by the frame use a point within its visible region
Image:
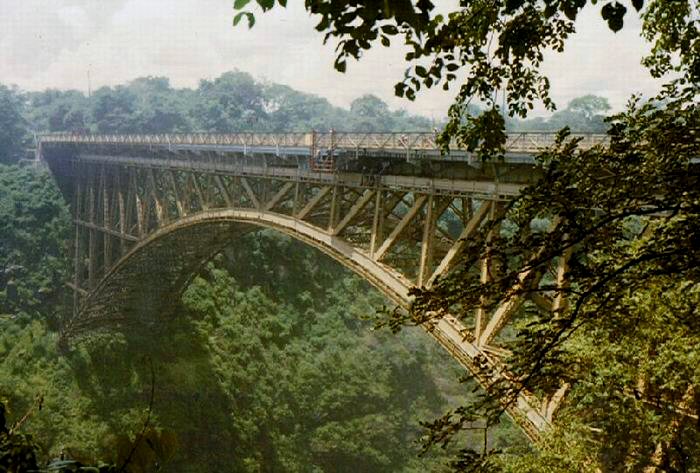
[157, 269]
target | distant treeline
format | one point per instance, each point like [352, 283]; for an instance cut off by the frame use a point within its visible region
[235, 101]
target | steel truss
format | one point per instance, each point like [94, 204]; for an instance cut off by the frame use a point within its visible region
[144, 225]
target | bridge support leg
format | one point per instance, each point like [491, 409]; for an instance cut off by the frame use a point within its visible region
[426, 247]
[77, 249]
[377, 234]
[106, 222]
[92, 242]
[486, 268]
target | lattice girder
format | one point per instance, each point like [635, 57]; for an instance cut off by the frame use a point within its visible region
[147, 217]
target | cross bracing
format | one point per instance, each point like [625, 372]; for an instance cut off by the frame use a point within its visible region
[149, 211]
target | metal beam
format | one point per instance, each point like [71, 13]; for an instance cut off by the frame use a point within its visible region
[92, 239]
[278, 196]
[426, 247]
[160, 210]
[176, 193]
[450, 258]
[354, 210]
[198, 189]
[503, 312]
[393, 236]
[106, 222]
[250, 193]
[313, 202]
[224, 190]
[108, 231]
[485, 267]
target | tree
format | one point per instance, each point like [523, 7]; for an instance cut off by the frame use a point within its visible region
[113, 110]
[589, 106]
[582, 114]
[160, 109]
[13, 132]
[56, 110]
[230, 103]
[626, 216]
[33, 262]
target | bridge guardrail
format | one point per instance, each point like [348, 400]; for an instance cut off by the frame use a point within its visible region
[525, 142]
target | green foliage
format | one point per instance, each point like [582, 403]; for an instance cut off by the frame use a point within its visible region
[16, 451]
[233, 102]
[33, 261]
[582, 114]
[56, 110]
[13, 134]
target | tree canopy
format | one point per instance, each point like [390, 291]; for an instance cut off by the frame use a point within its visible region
[12, 126]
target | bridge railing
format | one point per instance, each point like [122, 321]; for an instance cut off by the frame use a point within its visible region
[525, 142]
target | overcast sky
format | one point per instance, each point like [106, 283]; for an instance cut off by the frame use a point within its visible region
[53, 43]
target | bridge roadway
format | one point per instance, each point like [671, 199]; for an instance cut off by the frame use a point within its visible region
[150, 210]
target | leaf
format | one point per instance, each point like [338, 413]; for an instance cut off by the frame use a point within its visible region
[614, 13]
[385, 41]
[421, 71]
[282, 3]
[340, 65]
[512, 5]
[570, 11]
[638, 4]
[240, 4]
[266, 4]
[389, 29]
[247, 14]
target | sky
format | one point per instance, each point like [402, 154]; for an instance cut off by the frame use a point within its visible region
[58, 43]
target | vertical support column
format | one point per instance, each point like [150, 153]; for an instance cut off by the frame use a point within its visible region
[335, 206]
[77, 256]
[161, 214]
[140, 220]
[467, 211]
[122, 210]
[106, 222]
[426, 247]
[295, 203]
[485, 276]
[377, 223]
[92, 244]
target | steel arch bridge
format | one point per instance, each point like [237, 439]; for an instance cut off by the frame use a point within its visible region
[150, 210]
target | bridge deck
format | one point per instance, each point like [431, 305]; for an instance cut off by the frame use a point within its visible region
[305, 144]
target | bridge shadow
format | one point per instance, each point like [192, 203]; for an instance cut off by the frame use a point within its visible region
[166, 369]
